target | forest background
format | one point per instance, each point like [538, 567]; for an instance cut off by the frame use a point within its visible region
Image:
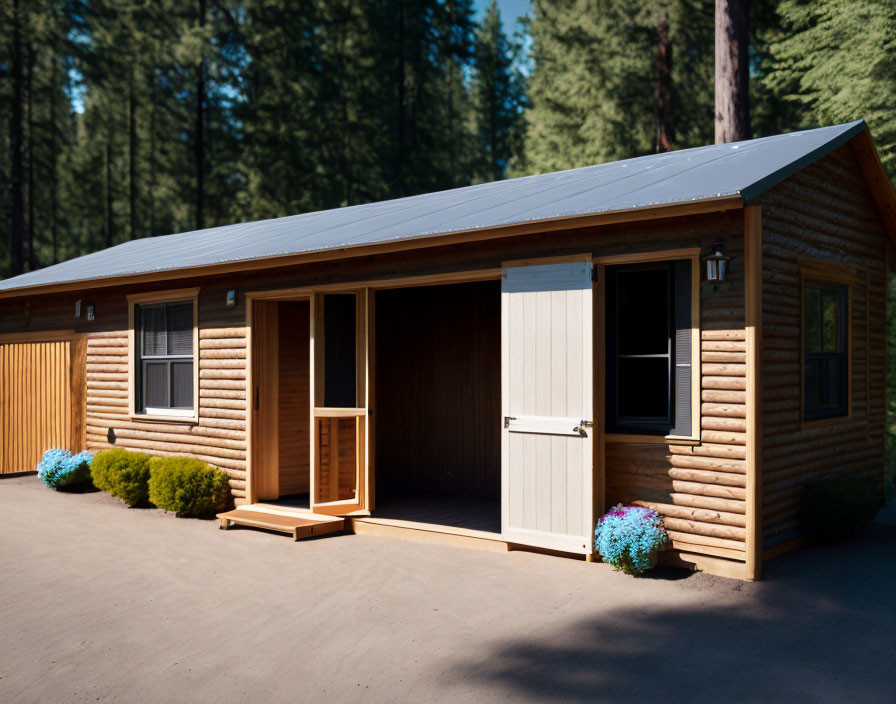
[133, 118]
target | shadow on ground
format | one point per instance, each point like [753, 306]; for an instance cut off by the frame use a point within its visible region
[819, 627]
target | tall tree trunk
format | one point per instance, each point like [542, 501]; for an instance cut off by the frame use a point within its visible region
[662, 87]
[152, 159]
[54, 160]
[732, 71]
[107, 190]
[132, 158]
[32, 258]
[400, 81]
[199, 143]
[17, 196]
[493, 128]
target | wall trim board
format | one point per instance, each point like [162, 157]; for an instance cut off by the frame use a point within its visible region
[753, 320]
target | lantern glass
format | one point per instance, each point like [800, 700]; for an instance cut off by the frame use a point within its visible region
[716, 264]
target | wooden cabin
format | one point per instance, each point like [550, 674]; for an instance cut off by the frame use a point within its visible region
[496, 365]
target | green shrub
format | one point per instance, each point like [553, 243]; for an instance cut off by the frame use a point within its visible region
[839, 508]
[186, 486]
[123, 474]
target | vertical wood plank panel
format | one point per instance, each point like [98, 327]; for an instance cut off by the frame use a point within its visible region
[546, 323]
[36, 402]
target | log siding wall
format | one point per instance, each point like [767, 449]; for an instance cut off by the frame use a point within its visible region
[701, 489]
[824, 213]
[220, 435]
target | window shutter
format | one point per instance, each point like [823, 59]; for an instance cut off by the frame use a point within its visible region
[682, 294]
[155, 338]
[180, 329]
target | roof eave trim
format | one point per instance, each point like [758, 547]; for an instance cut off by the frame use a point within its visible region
[877, 180]
[652, 212]
[773, 179]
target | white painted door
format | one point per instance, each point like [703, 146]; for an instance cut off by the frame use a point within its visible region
[546, 450]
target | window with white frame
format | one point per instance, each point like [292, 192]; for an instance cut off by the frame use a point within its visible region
[163, 336]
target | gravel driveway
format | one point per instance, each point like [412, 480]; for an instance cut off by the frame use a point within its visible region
[103, 603]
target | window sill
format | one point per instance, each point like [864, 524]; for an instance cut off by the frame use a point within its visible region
[162, 418]
[824, 422]
[657, 439]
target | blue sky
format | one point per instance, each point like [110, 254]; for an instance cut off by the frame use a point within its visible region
[510, 11]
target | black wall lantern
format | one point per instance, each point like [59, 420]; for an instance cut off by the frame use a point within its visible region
[716, 263]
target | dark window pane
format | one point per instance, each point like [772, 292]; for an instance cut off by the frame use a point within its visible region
[180, 328]
[155, 338]
[181, 384]
[825, 365]
[643, 309]
[834, 384]
[830, 321]
[339, 350]
[155, 384]
[643, 388]
[813, 319]
[812, 381]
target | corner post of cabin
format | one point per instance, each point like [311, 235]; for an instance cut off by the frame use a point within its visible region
[250, 405]
[753, 324]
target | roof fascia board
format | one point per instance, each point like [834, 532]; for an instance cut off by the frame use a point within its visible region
[773, 179]
[697, 207]
[877, 180]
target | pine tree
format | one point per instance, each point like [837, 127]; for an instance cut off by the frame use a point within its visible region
[837, 62]
[613, 80]
[499, 97]
[16, 137]
[422, 44]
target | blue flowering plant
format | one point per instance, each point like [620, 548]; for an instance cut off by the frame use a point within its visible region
[629, 538]
[59, 469]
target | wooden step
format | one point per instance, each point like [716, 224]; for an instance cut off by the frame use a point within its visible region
[298, 527]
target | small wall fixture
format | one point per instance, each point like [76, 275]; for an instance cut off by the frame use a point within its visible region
[231, 298]
[716, 263]
[91, 310]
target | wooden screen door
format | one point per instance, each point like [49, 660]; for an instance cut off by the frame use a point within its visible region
[547, 367]
[340, 475]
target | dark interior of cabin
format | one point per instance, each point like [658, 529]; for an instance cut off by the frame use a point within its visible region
[438, 405]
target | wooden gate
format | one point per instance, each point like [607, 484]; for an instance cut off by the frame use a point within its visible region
[41, 399]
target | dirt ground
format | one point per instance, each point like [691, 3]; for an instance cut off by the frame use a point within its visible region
[103, 603]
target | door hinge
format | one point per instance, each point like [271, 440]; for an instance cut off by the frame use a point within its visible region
[507, 420]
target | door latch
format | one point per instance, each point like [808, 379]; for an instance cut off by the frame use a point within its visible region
[580, 428]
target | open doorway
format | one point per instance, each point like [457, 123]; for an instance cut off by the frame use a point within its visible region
[438, 381]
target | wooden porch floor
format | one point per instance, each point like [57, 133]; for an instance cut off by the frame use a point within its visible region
[455, 511]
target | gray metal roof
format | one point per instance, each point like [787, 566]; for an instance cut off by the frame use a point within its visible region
[741, 168]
